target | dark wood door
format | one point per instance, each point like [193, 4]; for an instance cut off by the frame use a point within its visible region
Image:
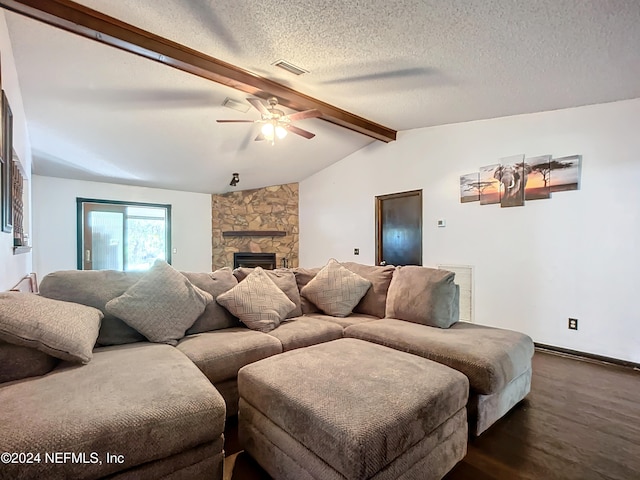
[399, 228]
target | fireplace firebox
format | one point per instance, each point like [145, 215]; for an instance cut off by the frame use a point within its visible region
[251, 260]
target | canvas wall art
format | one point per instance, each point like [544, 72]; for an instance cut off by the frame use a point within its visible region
[517, 179]
[538, 186]
[470, 187]
[512, 177]
[489, 185]
[565, 173]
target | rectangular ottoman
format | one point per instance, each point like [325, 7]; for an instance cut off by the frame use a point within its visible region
[352, 409]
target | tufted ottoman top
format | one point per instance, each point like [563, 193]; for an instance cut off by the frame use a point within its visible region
[354, 404]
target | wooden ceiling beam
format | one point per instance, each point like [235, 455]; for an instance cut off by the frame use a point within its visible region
[89, 23]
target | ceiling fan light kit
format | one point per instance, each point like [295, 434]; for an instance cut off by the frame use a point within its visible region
[269, 129]
[275, 123]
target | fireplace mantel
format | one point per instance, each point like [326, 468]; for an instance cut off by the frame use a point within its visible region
[254, 233]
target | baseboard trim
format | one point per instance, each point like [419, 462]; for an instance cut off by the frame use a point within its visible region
[588, 356]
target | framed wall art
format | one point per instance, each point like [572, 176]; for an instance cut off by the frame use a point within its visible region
[7, 155]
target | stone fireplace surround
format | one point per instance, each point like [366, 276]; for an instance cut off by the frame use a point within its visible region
[263, 220]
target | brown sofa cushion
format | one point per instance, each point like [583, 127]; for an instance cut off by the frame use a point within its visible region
[221, 353]
[162, 305]
[374, 301]
[489, 357]
[344, 322]
[95, 288]
[61, 329]
[215, 316]
[284, 279]
[257, 302]
[18, 362]
[423, 295]
[304, 276]
[306, 331]
[144, 401]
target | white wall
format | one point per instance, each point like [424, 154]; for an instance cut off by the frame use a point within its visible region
[55, 221]
[574, 255]
[13, 267]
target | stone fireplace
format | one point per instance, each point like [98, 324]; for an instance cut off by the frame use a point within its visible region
[263, 220]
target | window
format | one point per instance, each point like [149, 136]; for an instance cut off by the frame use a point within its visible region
[123, 236]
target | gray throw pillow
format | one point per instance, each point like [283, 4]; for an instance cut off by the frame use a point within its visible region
[336, 290]
[423, 295]
[257, 302]
[61, 329]
[162, 305]
[375, 300]
[284, 279]
[304, 276]
[215, 316]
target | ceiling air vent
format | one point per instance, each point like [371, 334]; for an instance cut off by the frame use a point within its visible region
[290, 67]
[236, 105]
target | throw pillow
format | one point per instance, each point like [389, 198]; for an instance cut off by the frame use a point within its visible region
[423, 295]
[304, 276]
[336, 290]
[161, 305]
[375, 300]
[61, 329]
[284, 279]
[257, 302]
[215, 316]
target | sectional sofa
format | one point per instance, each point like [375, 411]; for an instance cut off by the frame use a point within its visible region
[133, 408]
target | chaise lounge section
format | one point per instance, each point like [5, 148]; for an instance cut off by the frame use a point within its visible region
[497, 362]
[143, 404]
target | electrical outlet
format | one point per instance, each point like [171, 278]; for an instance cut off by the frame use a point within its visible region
[573, 324]
[356, 251]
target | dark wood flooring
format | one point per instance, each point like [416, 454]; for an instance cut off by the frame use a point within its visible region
[581, 421]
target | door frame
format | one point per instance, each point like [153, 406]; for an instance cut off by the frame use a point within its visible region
[391, 196]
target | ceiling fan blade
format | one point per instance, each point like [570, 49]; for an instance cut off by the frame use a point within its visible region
[301, 132]
[306, 114]
[235, 121]
[258, 105]
[259, 138]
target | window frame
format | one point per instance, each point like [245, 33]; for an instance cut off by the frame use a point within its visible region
[80, 201]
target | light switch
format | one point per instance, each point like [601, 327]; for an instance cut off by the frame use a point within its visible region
[442, 223]
[175, 250]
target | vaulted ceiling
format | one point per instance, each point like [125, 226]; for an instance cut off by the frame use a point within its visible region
[95, 112]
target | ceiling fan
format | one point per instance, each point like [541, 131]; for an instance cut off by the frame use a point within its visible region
[275, 124]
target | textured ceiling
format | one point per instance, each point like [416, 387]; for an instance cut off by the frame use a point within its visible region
[106, 114]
